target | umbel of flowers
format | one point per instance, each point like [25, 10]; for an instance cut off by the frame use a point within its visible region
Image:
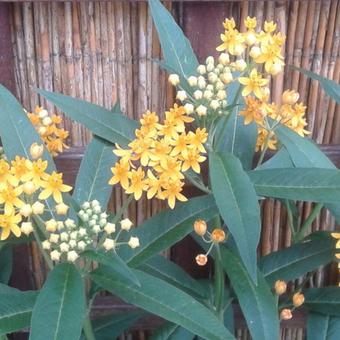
[157, 160]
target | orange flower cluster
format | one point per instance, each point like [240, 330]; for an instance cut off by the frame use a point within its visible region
[53, 136]
[158, 157]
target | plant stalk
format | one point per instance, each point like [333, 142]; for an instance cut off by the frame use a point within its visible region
[219, 283]
[88, 330]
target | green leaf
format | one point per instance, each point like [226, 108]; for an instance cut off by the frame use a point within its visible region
[292, 262]
[113, 127]
[170, 272]
[94, 173]
[324, 300]
[176, 48]
[236, 138]
[331, 87]
[237, 203]
[171, 331]
[166, 301]
[305, 154]
[6, 262]
[168, 227]
[303, 184]
[322, 327]
[111, 326]
[256, 301]
[59, 312]
[281, 159]
[114, 263]
[13, 122]
[15, 309]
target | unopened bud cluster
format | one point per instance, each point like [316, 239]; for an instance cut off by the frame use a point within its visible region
[66, 240]
[215, 237]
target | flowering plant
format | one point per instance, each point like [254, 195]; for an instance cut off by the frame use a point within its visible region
[223, 121]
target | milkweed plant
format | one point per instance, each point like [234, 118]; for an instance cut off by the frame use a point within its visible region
[224, 121]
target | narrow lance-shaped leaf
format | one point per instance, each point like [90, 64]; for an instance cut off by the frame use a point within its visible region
[256, 300]
[15, 309]
[168, 227]
[176, 48]
[113, 127]
[298, 259]
[304, 184]
[237, 203]
[157, 297]
[171, 331]
[323, 327]
[60, 308]
[95, 172]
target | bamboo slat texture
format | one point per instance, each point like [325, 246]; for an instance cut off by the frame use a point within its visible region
[106, 51]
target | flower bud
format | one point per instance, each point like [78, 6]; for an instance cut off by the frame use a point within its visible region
[174, 79]
[210, 67]
[214, 104]
[126, 224]
[26, 210]
[201, 259]
[54, 238]
[62, 209]
[96, 229]
[36, 150]
[240, 65]
[280, 287]
[209, 60]
[201, 69]
[290, 97]
[64, 236]
[255, 52]
[47, 121]
[201, 110]
[42, 130]
[72, 256]
[298, 299]
[82, 231]
[286, 314]
[81, 245]
[189, 108]
[224, 59]
[64, 247]
[72, 243]
[207, 94]
[238, 50]
[212, 77]
[218, 235]
[29, 188]
[55, 255]
[250, 38]
[38, 208]
[219, 85]
[86, 205]
[26, 228]
[200, 227]
[181, 95]
[221, 95]
[110, 228]
[226, 77]
[133, 242]
[46, 245]
[51, 225]
[70, 224]
[192, 81]
[275, 69]
[109, 244]
[43, 113]
[198, 94]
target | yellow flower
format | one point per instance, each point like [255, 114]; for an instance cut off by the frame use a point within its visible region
[233, 42]
[154, 185]
[120, 174]
[172, 192]
[178, 116]
[180, 145]
[192, 161]
[253, 83]
[53, 186]
[229, 24]
[137, 183]
[250, 22]
[198, 138]
[19, 168]
[271, 57]
[9, 196]
[142, 148]
[6, 176]
[9, 223]
[160, 151]
[254, 111]
[269, 26]
[171, 169]
[35, 171]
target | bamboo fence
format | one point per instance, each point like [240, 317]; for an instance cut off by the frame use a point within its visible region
[107, 51]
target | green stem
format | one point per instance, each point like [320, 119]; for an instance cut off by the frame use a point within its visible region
[301, 233]
[45, 255]
[88, 330]
[219, 283]
[197, 184]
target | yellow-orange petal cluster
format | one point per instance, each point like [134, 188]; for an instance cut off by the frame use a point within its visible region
[49, 130]
[156, 160]
[23, 183]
